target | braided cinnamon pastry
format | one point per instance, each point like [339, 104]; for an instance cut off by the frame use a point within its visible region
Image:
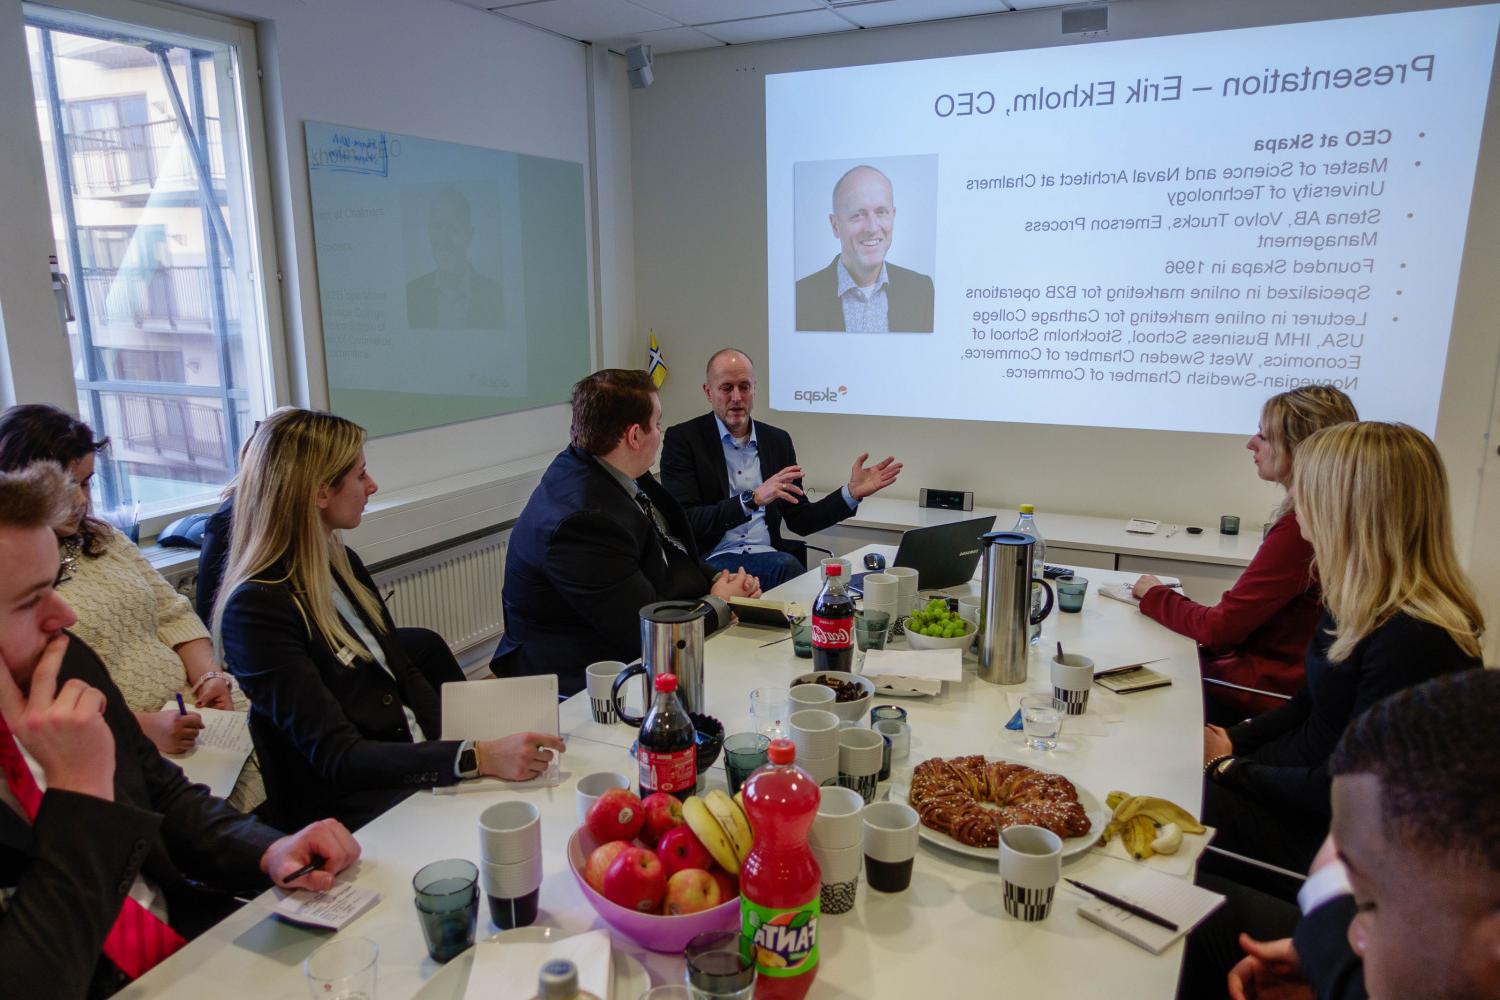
[948, 795]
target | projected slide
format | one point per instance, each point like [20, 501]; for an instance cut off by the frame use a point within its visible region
[452, 279]
[1156, 233]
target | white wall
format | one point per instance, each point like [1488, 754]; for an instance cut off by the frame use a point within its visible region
[698, 148]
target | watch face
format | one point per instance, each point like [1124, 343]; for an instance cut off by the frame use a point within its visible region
[468, 761]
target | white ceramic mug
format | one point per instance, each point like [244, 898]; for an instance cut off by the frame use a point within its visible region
[1030, 867]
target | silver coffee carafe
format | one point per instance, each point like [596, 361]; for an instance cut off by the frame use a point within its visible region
[1005, 617]
[672, 635]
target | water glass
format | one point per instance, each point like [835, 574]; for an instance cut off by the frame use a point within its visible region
[744, 753]
[771, 707]
[870, 628]
[1070, 594]
[715, 968]
[802, 637]
[343, 969]
[447, 900]
[1041, 720]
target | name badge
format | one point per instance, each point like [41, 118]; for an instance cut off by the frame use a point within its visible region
[345, 656]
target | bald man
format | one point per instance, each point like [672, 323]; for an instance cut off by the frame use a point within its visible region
[453, 296]
[859, 292]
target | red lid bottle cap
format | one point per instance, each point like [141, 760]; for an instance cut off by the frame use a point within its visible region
[835, 569]
[782, 752]
[666, 682]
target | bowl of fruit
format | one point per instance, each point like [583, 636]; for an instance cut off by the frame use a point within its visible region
[933, 626]
[662, 871]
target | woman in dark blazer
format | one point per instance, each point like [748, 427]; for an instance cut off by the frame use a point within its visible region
[341, 719]
[1372, 498]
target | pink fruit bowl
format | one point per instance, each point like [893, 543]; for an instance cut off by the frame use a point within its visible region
[649, 930]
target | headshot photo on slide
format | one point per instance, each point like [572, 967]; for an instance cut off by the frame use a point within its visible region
[853, 273]
[452, 250]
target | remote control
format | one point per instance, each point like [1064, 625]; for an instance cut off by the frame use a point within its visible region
[1057, 572]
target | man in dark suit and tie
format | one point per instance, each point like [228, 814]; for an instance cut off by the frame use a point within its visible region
[109, 856]
[859, 291]
[738, 479]
[599, 539]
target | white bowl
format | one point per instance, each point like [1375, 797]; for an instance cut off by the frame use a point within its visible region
[847, 711]
[918, 641]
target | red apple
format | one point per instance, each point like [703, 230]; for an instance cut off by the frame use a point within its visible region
[663, 812]
[635, 880]
[599, 862]
[729, 886]
[680, 848]
[617, 815]
[690, 891]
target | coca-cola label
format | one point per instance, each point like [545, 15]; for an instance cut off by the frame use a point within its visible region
[668, 772]
[832, 633]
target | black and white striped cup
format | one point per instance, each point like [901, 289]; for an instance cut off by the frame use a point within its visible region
[601, 680]
[1030, 867]
[1072, 677]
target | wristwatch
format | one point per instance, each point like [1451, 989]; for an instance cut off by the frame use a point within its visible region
[748, 499]
[1221, 767]
[468, 760]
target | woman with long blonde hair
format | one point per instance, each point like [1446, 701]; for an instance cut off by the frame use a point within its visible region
[1372, 498]
[1254, 637]
[339, 714]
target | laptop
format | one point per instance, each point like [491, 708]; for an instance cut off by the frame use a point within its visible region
[943, 555]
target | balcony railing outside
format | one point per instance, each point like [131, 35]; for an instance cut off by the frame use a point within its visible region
[128, 158]
[173, 296]
[185, 435]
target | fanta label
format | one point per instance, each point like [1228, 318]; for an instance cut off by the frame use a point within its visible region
[832, 633]
[781, 943]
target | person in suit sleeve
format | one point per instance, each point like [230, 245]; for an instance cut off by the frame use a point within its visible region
[860, 291]
[340, 717]
[599, 539]
[96, 827]
[739, 481]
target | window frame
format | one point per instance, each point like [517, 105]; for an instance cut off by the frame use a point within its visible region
[266, 357]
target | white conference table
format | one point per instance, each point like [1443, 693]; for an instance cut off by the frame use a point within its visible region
[948, 930]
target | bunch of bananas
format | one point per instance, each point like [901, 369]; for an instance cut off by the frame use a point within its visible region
[1148, 825]
[719, 822]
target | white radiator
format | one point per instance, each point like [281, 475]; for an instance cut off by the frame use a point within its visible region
[454, 591]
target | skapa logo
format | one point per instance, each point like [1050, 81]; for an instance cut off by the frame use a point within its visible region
[819, 395]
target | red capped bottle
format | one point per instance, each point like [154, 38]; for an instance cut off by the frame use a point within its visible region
[779, 881]
[833, 623]
[668, 748]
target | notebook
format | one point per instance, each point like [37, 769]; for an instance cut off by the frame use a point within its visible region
[332, 910]
[1131, 679]
[490, 709]
[1176, 899]
[220, 752]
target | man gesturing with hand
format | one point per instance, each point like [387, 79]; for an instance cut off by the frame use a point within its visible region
[739, 481]
[108, 855]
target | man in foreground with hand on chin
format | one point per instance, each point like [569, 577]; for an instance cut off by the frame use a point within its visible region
[109, 856]
[738, 479]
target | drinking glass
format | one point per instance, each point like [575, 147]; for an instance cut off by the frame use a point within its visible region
[802, 637]
[1041, 720]
[715, 968]
[1070, 594]
[870, 628]
[743, 754]
[343, 969]
[447, 900]
[771, 707]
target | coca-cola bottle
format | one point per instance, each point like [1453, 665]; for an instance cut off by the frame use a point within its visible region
[833, 623]
[668, 749]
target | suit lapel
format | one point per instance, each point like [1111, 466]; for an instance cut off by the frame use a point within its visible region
[715, 466]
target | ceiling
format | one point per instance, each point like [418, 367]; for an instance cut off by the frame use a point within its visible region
[681, 25]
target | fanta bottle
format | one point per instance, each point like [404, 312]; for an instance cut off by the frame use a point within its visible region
[779, 881]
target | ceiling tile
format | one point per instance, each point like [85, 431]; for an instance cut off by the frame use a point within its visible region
[707, 11]
[669, 40]
[587, 20]
[873, 15]
[761, 29]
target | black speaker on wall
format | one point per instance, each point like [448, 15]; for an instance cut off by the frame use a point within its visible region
[1085, 20]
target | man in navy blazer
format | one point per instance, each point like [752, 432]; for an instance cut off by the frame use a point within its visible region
[599, 539]
[738, 479]
[859, 291]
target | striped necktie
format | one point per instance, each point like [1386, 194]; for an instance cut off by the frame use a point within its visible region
[138, 940]
[654, 516]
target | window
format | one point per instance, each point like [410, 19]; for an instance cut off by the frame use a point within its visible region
[144, 139]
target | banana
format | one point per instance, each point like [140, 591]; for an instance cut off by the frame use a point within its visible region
[1113, 799]
[732, 821]
[1168, 839]
[708, 831]
[1164, 812]
[1138, 833]
[739, 800]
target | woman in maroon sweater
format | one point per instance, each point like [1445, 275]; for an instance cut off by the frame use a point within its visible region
[1256, 635]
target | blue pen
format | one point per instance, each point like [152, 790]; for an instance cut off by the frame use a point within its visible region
[181, 708]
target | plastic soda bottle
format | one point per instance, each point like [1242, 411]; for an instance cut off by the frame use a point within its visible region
[779, 881]
[1026, 524]
[667, 752]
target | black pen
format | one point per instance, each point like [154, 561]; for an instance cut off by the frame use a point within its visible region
[307, 869]
[1131, 908]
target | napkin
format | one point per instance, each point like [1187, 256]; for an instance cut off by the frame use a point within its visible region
[507, 970]
[1180, 864]
[928, 664]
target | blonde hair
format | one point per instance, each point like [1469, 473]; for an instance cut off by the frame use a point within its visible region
[291, 456]
[1373, 500]
[1291, 417]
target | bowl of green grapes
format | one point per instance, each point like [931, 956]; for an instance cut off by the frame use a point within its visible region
[933, 626]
